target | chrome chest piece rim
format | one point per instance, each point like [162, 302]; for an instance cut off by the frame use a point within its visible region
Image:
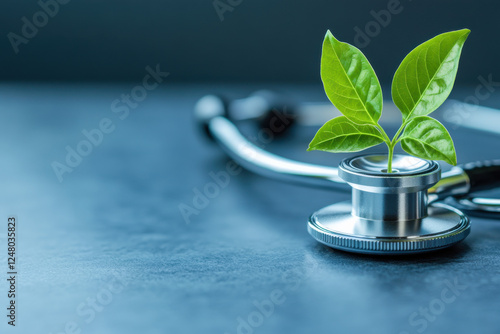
[389, 212]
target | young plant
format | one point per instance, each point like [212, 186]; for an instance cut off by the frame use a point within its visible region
[421, 84]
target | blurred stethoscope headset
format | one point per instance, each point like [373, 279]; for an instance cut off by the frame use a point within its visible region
[416, 209]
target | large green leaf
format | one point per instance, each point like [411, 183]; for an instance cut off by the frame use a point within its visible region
[425, 77]
[342, 135]
[350, 82]
[426, 138]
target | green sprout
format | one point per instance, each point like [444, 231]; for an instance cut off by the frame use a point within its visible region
[421, 84]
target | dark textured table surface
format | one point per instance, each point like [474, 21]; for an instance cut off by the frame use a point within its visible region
[107, 250]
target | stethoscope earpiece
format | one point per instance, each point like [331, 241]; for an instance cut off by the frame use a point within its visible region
[206, 109]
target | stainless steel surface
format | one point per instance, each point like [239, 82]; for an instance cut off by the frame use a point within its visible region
[453, 182]
[389, 212]
[410, 174]
[477, 204]
[491, 202]
[377, 165]
[336, 227]
[401, 195]
[389, 207]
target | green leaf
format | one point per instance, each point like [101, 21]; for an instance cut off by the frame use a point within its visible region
[426, 138]
[342, 135]
[425, 77]
[350, 82]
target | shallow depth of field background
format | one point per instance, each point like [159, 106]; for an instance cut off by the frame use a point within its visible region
[257, 40]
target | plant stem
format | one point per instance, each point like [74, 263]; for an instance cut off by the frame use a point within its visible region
[386, 137]
[391, 145]
[389, 160]
[393, 141]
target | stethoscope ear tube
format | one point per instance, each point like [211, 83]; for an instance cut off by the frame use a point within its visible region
[476, 206]
[207, 108]
[483, 175]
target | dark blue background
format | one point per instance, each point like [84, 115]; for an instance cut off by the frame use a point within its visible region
[260, 40]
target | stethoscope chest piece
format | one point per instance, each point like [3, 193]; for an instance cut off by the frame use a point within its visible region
[389, 212]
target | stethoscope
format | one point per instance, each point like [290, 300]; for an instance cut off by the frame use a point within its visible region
[416, 209]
